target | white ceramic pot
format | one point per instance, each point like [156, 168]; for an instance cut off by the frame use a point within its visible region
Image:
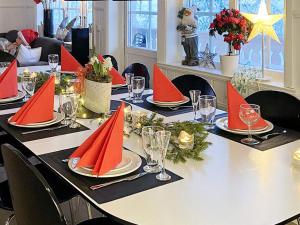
[229, 64]
[97, 96]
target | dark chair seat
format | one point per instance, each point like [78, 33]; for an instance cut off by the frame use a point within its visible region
[5, 199]
[280, 108]
[113, 61]
[188, 82]
[138, 69]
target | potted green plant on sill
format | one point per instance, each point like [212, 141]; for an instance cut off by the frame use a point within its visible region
[97, 85]
[235, 29]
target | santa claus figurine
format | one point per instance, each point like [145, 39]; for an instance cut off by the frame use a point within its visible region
[189, 36]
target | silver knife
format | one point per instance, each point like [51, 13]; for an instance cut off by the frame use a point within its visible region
[45, 129]
[130, 178]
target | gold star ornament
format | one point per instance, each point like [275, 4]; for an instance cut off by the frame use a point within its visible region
[263, 22]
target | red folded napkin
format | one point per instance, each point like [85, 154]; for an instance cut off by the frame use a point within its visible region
[234, 100]
[9, 81]
[102, 151]
[68, 62]
[163, 89]
[117, 78]
[39, 107]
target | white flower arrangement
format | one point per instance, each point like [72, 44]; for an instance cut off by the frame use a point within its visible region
[100, 69]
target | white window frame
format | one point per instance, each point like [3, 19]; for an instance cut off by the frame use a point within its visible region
[128, 37]
[235, 4]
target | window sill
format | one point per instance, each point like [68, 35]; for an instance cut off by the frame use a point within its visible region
[274, 78]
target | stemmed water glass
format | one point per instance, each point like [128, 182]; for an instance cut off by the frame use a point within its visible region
[53, 62]
[28, 85]
[207, 109]
[68, 106]
[150, 148]
[138, 87]
[249, 114]
[163, 139]
[129, 77]
[195, 94]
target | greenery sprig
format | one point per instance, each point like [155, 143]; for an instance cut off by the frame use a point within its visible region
[175, 153]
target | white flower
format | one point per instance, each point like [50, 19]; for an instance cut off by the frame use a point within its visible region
[94, 60]
[107, 64]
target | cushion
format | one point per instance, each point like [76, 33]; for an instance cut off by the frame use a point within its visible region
[68, 29]
[61, 32]
[49, 46]
[28, 55]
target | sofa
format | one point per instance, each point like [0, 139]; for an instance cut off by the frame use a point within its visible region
[49, 46]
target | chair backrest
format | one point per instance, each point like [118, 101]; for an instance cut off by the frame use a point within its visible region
[139, 40]
[33, 200]
[113, 61]
[280, 108]
[188, 82]
[138, 69]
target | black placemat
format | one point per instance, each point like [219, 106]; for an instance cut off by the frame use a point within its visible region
[120, 90]
[160, 110]
[264, 145]
[16, 132]
[109, 193]
[11, 105]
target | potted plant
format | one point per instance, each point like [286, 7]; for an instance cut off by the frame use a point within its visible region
[235, 29]
[97, 85]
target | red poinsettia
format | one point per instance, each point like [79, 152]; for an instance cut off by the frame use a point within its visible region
[233, 26]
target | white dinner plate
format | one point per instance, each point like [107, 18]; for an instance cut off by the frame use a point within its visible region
[167, 104]
[222, 123]
[130, 163]
[12, 99]
[118, 85]
[57, 118]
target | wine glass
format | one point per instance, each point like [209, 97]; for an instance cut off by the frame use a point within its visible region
[207, 109]
[150, 148]
[138, 87]
[129, 77]
[249, 114]
[195, 94]
[163, 139]
[28, 85]
[53, 61]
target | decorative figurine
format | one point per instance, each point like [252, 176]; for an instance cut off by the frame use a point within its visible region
[206, 58]
[189, 36]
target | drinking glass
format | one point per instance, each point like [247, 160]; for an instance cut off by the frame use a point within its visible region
[129, 77]
[138, 87]
[163, 139]
[249, 114]
[68, 106]
[195, 94]
[28, 85]
[207, 109]
[53, 61]
[150, 147]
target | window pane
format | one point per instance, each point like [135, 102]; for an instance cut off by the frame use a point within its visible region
[142, 24]
[203, 5]
[218, 5]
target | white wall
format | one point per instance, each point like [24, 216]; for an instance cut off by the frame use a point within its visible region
[17, 14]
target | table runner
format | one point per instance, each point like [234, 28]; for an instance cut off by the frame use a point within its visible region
[11, 105]
[121, 90]
[109, 193]
[162, 111]
[264, 145]
[16, 132]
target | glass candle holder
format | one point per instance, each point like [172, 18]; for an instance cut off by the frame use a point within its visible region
[186, 140]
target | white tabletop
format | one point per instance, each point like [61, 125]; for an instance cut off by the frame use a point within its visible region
[234, 184]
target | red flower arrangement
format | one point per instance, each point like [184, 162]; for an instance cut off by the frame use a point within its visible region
[233, 26]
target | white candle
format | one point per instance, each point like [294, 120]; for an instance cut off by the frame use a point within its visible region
[186, 140]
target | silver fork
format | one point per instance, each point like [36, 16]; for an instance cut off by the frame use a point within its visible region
[176, 108]
[267, 136]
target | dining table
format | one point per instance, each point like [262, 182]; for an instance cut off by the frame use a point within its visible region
[234, 184]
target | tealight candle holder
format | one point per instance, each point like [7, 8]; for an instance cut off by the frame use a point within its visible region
[296, 158]
[136, 117]
[186, 140]
[127, 113]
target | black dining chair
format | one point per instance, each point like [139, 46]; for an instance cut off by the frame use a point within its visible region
[138, 69]
[113, 61]
[281, 108]
[33, 199]
[188, 82]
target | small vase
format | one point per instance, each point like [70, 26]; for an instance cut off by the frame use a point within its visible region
[97, 96]
[48, 23]
[229, 64]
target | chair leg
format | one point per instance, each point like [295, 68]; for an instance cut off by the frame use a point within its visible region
[9, 219]
[89, 210]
